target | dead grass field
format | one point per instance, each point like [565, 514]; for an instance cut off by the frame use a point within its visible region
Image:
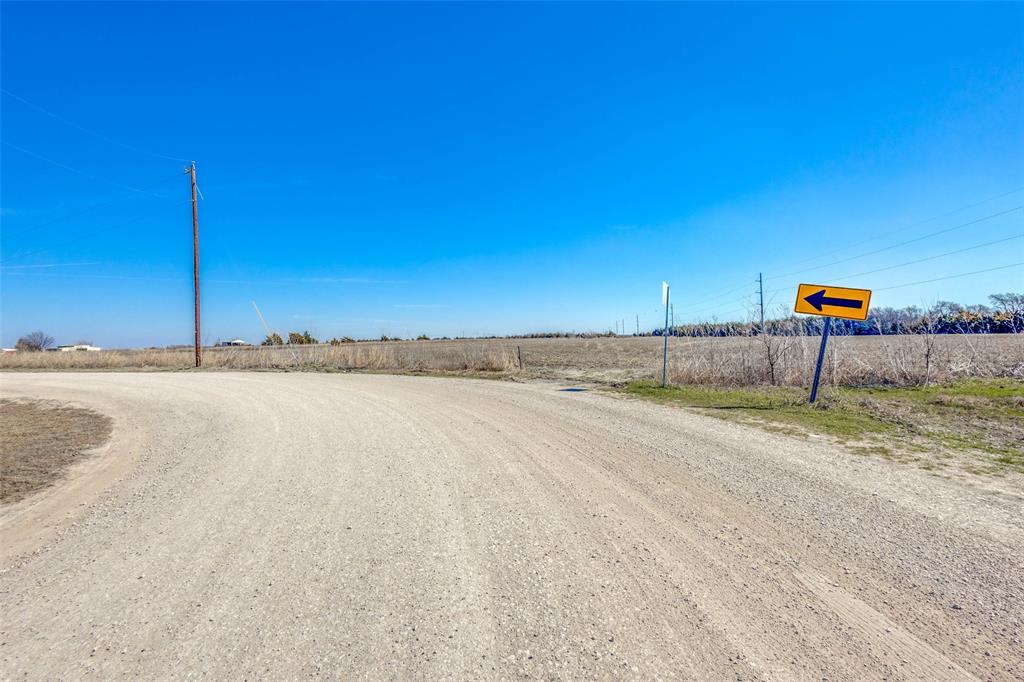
[39, 440]
[733, 361]
[742, 361]
[891, 360]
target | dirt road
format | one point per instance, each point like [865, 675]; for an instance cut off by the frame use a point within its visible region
[280, 526]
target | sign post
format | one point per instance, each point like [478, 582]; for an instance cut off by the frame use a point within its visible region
[821, 358]
[665, 294]
[829, 302]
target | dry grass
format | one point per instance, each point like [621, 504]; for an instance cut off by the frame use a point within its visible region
[39, 440]
[742, 361]
[406, 356]
[733, 361]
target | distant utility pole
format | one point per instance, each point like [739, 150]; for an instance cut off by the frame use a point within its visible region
[270, 331]
[760, 294]
[191, 171]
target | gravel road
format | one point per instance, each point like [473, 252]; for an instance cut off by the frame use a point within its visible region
[280, 526]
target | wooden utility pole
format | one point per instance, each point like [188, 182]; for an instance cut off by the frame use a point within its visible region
[191, 170]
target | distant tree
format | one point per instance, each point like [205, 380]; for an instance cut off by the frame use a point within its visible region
[423, 337]
[1011, 304]
[385, 337]
[34, 341]
[308, 338]
[303, 339]
[944, 309]
[273, 339]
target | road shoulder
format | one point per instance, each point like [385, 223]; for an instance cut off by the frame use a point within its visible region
[29, 524]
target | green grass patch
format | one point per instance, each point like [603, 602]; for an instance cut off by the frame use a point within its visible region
[980, 422]
[776, 405]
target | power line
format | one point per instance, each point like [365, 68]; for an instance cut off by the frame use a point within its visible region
[940, 255]
[137, 218]
[703, 308]
[909, 226]
[722, 294]
[78, 276]
[76, 214]
[46, 265]
[75, 170]
[745, 311]
[774, 292]
[923, 281]
[919, 260]
[87, 130]
[962, 274]
[904, 243]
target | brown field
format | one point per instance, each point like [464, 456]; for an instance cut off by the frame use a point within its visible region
[734, 361]
[39, 440]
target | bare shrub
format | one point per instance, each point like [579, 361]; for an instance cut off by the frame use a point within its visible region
[34, 342]
[851, 361]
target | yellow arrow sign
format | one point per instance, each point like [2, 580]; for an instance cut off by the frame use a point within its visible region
[820, 299]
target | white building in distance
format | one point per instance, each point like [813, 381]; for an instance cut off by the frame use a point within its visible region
[76, 346]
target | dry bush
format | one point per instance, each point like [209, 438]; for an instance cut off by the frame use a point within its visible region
[850, 361]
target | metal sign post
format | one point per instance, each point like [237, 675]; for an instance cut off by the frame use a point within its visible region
[665, 295]
[825, 330]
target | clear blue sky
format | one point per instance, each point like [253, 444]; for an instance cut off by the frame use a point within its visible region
[477, 169]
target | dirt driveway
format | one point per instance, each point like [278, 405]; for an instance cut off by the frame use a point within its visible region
[261, 525]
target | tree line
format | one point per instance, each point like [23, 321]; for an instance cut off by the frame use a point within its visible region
[1004, 315]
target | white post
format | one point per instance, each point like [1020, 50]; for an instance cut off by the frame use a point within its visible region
[665, 295]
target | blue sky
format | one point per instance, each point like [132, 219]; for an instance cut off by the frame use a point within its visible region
[490, 169]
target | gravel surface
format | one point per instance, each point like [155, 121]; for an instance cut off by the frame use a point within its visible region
[287, 526]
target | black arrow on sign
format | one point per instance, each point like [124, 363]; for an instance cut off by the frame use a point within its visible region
[819, 299]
